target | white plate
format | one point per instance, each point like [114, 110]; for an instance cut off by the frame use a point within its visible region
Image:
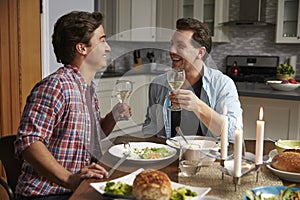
[268, 191]
[204, 142]
[289, 176]
[277, 85]
[118, 151]
[128, 179]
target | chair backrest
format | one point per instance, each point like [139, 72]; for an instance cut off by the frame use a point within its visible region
[11, 164]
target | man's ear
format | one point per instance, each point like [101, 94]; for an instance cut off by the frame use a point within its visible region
[81, 48]
[201, 52]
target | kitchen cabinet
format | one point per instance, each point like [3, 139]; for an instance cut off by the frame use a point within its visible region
[138, 100]
[131, 20]
[211, 12]
[155, 20]
[288, 21]
[281, 117]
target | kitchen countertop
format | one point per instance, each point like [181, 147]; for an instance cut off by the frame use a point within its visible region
[264, 91]
[244, 88]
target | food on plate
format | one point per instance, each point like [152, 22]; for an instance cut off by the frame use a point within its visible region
[152, 184]
[182, 193]
[118, 188]
[152, 153]
[289, 161]
[287, 193]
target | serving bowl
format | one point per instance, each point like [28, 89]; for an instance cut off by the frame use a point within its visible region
[278, 85]
[282, 145]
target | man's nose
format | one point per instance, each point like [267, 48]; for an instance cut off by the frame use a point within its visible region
[107, 47]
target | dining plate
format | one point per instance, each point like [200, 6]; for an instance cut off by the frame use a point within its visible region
[289, 176]
[118, 151]
[268, 191]
[128, 179]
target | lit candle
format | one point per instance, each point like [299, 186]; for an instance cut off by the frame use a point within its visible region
[238, 146]
[259, 147]
[224, 135]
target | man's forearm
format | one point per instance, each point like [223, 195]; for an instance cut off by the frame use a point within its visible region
[108, 123]
[46, 165]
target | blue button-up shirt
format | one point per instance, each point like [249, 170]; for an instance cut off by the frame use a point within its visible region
[218, 91]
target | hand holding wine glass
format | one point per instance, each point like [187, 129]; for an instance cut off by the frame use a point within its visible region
[175, 79]
[122, 90]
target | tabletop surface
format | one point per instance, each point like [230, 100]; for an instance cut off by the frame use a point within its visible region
[208, 177]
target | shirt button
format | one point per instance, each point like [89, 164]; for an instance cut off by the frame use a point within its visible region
[86, 160]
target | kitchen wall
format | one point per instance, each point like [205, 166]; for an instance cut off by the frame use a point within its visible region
[244, 40]
[254, 40]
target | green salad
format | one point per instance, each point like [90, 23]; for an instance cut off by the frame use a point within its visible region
[286, 194]
[182, 193]
[152, 153]
[120, 188]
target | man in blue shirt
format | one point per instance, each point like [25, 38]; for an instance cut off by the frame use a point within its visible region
[206, 96]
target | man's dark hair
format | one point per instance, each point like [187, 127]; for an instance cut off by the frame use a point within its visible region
[71, 29]
[202, 34]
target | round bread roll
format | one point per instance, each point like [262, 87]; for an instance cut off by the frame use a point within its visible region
[152, 184]
[288, 160]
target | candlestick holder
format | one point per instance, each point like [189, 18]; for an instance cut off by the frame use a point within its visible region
[236, 181]
[222, 161]
[248, 167]
[258, 170]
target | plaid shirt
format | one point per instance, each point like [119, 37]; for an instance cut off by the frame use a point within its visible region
[57, 115]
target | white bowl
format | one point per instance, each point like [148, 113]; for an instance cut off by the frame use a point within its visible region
[277, 85]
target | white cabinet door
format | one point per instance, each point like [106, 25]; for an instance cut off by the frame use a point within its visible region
[104, 92]
[166, 16]
[281, 117]
[135, 20]
[143, 20]
[211, 12]
[138, 100]
[288, 21]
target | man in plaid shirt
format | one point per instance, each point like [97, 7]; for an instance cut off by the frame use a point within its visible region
[61, 124]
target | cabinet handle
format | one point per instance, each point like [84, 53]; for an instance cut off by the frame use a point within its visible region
[298, 37]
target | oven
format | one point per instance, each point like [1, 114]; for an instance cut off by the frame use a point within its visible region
[248, 68]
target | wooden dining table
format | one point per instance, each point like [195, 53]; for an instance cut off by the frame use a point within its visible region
[86, 191]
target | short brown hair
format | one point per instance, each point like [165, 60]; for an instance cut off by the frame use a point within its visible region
[202, 34]
[72, 28]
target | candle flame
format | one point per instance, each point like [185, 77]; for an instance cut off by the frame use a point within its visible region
[261, 113]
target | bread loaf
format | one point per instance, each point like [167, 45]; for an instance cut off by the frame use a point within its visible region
[288, 161]
[152, 184]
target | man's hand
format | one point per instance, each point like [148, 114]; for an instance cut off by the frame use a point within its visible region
[186, 99]
[121, 110]
[91, 171]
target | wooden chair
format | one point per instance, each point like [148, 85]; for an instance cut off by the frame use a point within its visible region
[11, 164]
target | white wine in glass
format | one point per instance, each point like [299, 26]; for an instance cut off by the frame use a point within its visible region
[123, 89]
[175, 79]
[123, 95]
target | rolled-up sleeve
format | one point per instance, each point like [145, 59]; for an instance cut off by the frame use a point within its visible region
[39, 116]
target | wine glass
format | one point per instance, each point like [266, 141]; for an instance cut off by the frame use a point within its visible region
[175, 79]
[123, 89]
